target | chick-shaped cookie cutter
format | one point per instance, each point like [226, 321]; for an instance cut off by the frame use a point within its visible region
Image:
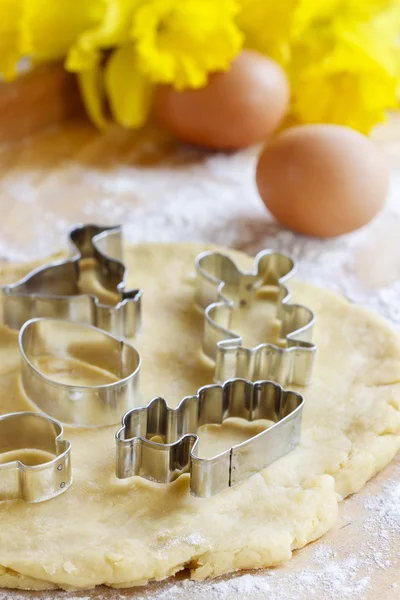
[59, 341]
[54, 289]
[137, 454]
[221, 288]
[50, 474]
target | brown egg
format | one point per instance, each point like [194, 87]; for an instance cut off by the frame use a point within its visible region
[322, 180]
[235, 109]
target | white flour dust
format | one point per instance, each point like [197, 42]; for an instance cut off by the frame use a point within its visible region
[196, 197]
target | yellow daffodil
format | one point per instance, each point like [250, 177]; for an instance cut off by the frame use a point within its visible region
[157, 42]
[92, 90]
[355, 100]
[10, 37]
[111, 30]
[128, 91]
[339, 55]
[348, 75]
[52, 27]
[181, 42]
[86, 57]
[335, 13]
[266, 25]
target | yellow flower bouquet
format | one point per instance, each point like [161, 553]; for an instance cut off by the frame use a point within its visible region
[341, 56]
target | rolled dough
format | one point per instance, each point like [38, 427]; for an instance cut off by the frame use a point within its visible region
[125, 533]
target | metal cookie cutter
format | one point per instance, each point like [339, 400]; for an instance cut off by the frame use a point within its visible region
[221, 288]
[164, 462]
[54, 342]
[53, 290]
[42, 480]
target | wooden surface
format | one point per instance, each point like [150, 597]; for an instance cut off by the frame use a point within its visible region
[73, 173]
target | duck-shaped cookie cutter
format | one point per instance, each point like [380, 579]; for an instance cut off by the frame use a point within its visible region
[47, 477]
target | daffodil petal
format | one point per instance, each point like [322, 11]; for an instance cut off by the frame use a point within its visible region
[129, 92]
[266, 26]
[111, 30]
[10, 37]
[344, 64]
[182, 42]
[51, 27]
[92, 90]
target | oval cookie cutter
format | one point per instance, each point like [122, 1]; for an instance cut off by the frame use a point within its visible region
[222, 288]
[137, 454]
[54, 290]
[55, 341]
[40, 481]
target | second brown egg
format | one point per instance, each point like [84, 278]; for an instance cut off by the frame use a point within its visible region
[322, 180]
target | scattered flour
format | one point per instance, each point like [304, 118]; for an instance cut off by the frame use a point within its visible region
[386, 510]
[192, 196]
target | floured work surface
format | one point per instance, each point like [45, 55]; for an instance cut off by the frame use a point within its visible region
[125, 533]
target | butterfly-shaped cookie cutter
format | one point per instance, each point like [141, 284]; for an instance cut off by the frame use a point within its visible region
[54, 342]
[54, 289]
[221, 288]
[138, 454]
[50, 475]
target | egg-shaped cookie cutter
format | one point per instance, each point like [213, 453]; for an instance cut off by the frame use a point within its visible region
[53, 340]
